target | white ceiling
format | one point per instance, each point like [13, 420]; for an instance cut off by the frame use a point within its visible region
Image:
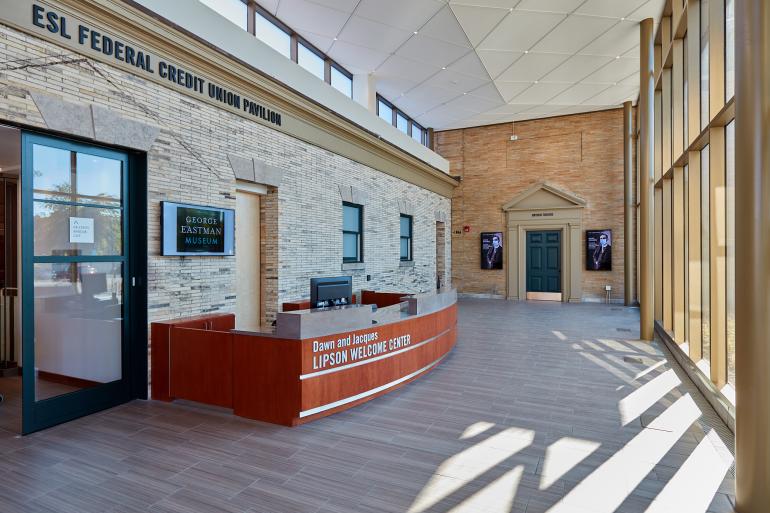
[460, 63]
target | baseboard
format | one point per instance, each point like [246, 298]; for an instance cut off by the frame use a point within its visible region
[722, 406]
[469, 295]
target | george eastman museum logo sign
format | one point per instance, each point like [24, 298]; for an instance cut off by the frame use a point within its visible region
[112, 47]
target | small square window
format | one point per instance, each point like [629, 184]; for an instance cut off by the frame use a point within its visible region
[385, 111]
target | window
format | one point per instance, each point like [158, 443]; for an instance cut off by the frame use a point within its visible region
[406, 238]
[402, 123]
[385, 111]
[704, 63]
[342, 82]
[272, 35]
[686, 98]
[234, 10]
[705, 255]
[352, 232]
[729, 49]
[730, 253]
[311, 61]
[418, 133]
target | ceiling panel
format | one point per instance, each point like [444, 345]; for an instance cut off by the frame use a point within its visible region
[302, 16]
[502, 4]
[497, 61]
[454, 81]
[432, 51]
[576, 67]
[509, 90]
[540, 93]
[357, 59]
[404, 14]
[575, 95]
[397, 66]
[615, 71]
[573, 34]
[477, 22]
[323, 43]
[488, 92]
[532, 66]
[562, 6]
[444, 26]
[610, 8]
[470, 65]
[362, 32]
[614, 95]
[520, 30]
[618, 40]
[425, 97]
[652, 9]
[393, 88]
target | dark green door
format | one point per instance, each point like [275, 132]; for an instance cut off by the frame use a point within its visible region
[544, 261]
[75, 280]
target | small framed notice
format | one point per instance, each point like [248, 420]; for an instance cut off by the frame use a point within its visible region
[81, 230]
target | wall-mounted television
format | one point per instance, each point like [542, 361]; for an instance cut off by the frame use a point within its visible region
[195, 230]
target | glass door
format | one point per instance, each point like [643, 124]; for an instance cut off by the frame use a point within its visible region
[74, 280]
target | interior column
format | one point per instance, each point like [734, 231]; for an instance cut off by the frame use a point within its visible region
[629, 237]
[646, 179]
[752, 258]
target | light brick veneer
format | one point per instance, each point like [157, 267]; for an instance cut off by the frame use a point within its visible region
[301, 219]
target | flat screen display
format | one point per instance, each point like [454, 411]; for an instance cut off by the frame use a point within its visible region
[195, 230]
[492, 250]
[599, 250]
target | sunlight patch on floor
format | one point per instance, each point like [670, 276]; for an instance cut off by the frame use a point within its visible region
[694, 485]
[468, 465]
[641, 399]
[476, 429]
[605, 489]
[562, 456]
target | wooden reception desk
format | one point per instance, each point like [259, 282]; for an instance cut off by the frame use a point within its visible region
[314, 363]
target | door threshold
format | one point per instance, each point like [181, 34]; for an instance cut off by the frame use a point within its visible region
[544, 296]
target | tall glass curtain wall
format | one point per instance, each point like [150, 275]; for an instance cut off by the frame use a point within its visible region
[696, 161]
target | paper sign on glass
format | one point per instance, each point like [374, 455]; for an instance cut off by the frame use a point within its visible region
[81, 230]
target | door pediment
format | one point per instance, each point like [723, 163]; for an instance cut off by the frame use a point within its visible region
[544, 196]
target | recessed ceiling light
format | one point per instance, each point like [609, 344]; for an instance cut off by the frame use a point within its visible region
[444, 67]
[537, 81]
[614, 83]
[617, 56]
[465, 93]
[510, 9]
[335, 39]
[415, 32]
[526, 51]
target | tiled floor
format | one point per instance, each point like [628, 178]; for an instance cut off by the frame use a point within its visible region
[542, 407]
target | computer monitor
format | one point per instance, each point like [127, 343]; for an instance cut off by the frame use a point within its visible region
[331, 291]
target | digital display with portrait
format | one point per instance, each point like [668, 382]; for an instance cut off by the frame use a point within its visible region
[599, 250]
[492, 250]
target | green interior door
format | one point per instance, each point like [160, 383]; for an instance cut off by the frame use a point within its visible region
[544, 261]
[75, 280]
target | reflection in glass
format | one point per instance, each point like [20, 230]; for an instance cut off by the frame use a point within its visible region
[402, 123]
[310, 61]
[385, 112]
[78, 326]
[729, 49]
[704, 63]
[99, 180]
[342, 82]
[272, 35]
[234, 10]
[350, 218]
[51, 172]
[52, 230]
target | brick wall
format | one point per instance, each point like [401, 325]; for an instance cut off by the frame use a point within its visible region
[301, 219]
[581, 154]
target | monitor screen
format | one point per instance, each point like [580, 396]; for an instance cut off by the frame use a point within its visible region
[194, 230]
[335, 291]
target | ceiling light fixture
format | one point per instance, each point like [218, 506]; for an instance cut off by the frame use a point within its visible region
[537, 82]
[526, 51]
[335, 38]
[415, 32]
[617, 56]
[443, 67]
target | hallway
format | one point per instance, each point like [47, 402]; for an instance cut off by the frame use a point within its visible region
[542, 407]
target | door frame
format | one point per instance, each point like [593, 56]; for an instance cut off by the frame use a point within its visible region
[133, 383]
[544, 296]
[544, 207]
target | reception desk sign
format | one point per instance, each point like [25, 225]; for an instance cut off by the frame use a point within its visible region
[193, 230]
[332, 353]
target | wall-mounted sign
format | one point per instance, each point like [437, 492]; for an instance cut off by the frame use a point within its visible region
[599, 250]
[81, 230]
[492, 250]
[194, 230]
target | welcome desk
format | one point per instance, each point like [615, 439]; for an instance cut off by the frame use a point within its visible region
[311, 364]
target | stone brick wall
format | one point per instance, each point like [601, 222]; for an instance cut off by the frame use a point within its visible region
[581, 154]
[301, 219]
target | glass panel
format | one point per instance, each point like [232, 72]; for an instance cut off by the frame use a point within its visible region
[730, 236]
[385, 112]
[342, 83]
[310, 61]
[51, 172]
[729, 49]
[78, 326]
[406, 226]
[76, 230]
[686, 98]
[417, 133]
[234, 10]
[350, 218]
[99, 180]
[704, 63]
[404, 249]
[272, 35]
[705, 254]
[350, 246]
[687, 229]
[402, 123]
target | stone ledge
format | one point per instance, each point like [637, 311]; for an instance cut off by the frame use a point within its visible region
[354, 266]
[406, 263]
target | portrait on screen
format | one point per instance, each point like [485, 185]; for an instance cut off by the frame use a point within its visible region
[599, 250]
[492, 250]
